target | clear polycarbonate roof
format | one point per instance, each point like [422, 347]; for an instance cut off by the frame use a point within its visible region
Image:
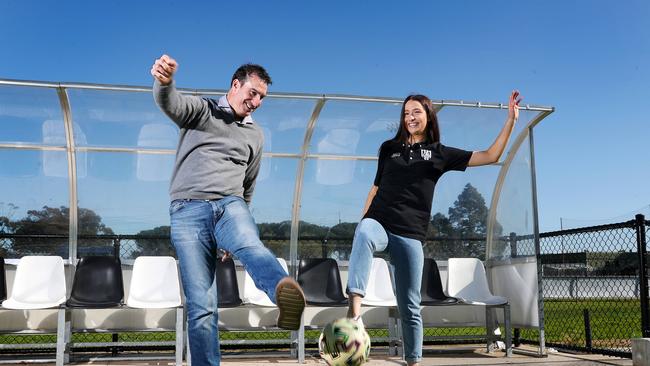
[100, 157]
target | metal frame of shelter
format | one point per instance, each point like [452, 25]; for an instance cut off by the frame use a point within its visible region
[525, 137]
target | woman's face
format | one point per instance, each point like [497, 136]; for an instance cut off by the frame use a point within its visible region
[415, 118]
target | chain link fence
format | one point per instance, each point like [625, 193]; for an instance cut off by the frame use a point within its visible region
[594, 284]
[436, 247]
[595, 288]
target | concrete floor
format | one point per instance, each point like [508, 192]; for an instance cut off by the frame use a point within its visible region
[442, 356]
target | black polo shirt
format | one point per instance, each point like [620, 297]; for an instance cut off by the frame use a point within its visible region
[406, 177]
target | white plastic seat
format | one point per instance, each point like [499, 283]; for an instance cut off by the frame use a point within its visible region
[467, 281]
[154, 283]
[379, 291]
[255, 296]
[39, 283]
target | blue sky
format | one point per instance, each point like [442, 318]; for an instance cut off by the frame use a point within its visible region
[589, 59]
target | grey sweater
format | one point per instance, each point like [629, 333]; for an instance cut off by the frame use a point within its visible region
[217, 156]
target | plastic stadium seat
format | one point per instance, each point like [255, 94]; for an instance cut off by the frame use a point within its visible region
[467, 281]
[255, 296]
[321, 282]
[3, 280]
[97, 283]
[154, 283]
[431, 292]
[227, 288]
[39, 283]
[379, 291]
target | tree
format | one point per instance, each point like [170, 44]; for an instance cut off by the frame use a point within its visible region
[469, 213]
[462, 234]
[337, 243]
[440, 226]
[275, 230]
[156, 241]
[468, 217]
[343, 230]
[442, 242]
[6, 213]
[315, 240]
[53, 221]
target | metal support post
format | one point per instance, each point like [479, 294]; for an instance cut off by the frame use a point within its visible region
[643, 274]
[63, 330]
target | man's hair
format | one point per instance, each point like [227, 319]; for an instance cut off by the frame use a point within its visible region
[245, 70]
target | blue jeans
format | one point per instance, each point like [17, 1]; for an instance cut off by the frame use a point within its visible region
[407, 259]
[198, 227]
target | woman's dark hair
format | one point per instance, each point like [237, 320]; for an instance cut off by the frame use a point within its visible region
[245, 70]
[432, 132]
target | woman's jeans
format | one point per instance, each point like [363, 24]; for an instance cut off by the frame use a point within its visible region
[407, 259]
[198, 227]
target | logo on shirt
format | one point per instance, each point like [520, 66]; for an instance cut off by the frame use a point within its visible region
[395, 155]
[426, 154]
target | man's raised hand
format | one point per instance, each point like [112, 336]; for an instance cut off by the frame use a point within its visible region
[163, 69]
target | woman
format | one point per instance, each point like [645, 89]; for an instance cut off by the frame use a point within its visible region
[398, 207]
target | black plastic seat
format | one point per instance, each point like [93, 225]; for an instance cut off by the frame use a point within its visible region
[227, 287]
[97, 283]
[431, 291]
[321, 282]
[3, 280]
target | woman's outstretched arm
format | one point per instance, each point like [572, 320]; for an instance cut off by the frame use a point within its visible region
[493, 153]
[371, 195]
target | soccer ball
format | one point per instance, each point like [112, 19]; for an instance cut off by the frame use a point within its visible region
[344, 342]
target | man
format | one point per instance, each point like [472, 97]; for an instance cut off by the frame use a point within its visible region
[217, 161]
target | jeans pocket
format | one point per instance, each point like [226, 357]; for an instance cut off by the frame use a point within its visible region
[176, 205]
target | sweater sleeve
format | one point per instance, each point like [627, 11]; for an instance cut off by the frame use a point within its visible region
[252, 171]
[182, 109]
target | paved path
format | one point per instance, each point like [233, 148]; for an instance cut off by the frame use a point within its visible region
[433, 356]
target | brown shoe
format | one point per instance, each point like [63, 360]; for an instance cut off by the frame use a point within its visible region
[291, 302]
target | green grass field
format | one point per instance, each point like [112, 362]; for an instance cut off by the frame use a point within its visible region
[613, 323]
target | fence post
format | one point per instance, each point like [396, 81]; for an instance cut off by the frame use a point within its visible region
[587, 318]
[517, 338]
[116, 248]
[513, 245]
[643, 275]
[115, 350]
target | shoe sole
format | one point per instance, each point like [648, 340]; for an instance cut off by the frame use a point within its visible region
[291, 302]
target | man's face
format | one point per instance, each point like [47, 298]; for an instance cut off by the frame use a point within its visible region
[247, 97]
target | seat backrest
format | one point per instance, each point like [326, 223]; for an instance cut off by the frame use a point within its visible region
[320, 281]
[97, 282]
[154, 283]
[227, 287]
[255, 296]
[380, 286]
[39, 280]
[467, 279]
[3, 280]
[431, 288]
